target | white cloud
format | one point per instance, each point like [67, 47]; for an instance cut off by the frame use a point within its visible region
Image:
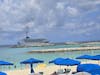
[60, 5]
[72, 11]
[86, 28]
[43, 16]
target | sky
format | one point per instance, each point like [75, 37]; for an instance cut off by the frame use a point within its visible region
[55, 20]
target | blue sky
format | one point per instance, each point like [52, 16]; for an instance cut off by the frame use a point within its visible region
[55, 20]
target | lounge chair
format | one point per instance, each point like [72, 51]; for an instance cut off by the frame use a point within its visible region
[60, 71]
[55, 73]
[41, 73]
[67, 70]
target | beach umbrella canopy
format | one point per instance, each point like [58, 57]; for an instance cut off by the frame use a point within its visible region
[71, 62]
[95, 72]
[87, 67]
[57, 59]
[5, 63]
[31, 61]
[84, 57]
[2, 73]
[67, 62]
[96, 57]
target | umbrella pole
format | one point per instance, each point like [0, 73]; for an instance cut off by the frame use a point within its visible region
[60, 66]
[21, 66]
[31, 65]
[82, 73]
[9, 67]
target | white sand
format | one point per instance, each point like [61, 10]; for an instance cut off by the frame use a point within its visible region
[47, 70]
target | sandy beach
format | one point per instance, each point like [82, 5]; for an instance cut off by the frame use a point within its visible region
[47, 70]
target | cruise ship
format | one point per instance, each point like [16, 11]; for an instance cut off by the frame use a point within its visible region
[28, 41]
[33, 42]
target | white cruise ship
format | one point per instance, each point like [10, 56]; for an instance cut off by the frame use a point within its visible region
[27, 41]
[33, 42]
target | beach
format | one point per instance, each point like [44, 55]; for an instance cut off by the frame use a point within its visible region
[47, 70]
[49, 37]
[16, 55]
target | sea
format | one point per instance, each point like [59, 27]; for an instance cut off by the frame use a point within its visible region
[16, 55]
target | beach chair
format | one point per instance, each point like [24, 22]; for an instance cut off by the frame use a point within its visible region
[60, 71]
[54, 73]
[67, 70]
[70, 73]
[41, 73]
[67, 73]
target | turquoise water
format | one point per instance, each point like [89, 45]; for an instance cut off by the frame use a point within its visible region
[16, 55]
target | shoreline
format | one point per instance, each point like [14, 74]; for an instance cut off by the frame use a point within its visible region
[64, 49]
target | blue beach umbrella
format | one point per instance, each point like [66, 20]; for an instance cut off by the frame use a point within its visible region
[71, 62]
[88, 57]
[96, 57]
[95, 72]
[31, 61]
[84, 57]
[87, 67]
[57, 59]
[2, 73]
[67, 62]
[5, 63]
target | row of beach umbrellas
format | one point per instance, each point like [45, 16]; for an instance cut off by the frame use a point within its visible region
[57, 61]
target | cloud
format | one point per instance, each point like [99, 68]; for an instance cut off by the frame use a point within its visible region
[72, 11]
[60, 5]
[45, 17]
